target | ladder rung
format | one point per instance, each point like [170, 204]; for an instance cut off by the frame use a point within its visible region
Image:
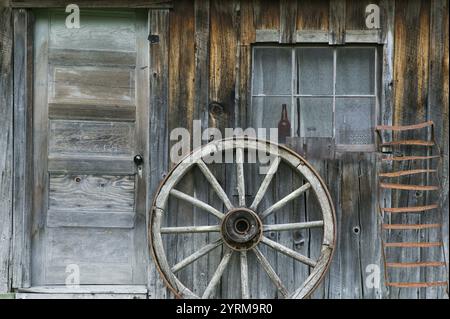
[404, 127]
[410, 226]
[409, 158]
[412, 209]
[416, 284]
[412, 244]
[416, 264]
[409, 142]
[408, 187]
[407, 172]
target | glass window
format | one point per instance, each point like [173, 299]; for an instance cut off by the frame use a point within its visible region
[329, 91]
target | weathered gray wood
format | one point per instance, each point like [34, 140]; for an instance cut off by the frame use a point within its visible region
[6, 145]
[200, 112]
[23, 295]
[289, 252]
[267, 36]
[23, 69]
[293, 226]
[270, 272]
[92, 165]
[97, 85]
[87, 192]
[70, 218]
[312, 36]
[214, 183]
[244, 275]
[217, 275]
[285, 200]
[362, 36]
[58, 111]
[197, 203]
[92, 57]
[151, 4]
[337, 22]
[266, 182]
[40, 144]
[86, 289]
[201, 252]
[159, 85]
[190, 229]
[91, 138]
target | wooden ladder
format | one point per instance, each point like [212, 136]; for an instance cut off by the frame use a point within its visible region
[399, 155]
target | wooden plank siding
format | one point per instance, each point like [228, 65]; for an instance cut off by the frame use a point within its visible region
[201, 69]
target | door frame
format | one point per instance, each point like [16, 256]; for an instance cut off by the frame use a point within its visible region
[23, 181]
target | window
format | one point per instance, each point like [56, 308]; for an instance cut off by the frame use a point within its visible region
[330, 92]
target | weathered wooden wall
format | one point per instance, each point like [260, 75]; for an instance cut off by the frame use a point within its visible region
[210, 61]
[204, 56]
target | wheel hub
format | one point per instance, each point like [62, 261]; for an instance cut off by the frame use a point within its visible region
[241, 229]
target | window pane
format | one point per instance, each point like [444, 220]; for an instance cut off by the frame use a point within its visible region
[315, 66]
[267, 112]
[355, 71]
[272, 71]
[354, 120]
[316, 117]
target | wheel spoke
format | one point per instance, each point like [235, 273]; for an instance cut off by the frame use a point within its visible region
[285, 200]
[199, 253]
[217, 275]
[265, 184]
[270, 272]
[240, 176]
[293, 226]
[288, 252]
[244, 276]
[190, 229]
[215, 184]
[198, 203]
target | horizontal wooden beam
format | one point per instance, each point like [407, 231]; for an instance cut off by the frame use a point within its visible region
[94, 165]
[151, 4]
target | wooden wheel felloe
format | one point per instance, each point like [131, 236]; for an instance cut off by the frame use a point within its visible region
[241, 229]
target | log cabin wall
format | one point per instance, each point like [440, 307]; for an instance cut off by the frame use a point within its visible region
[204, 55]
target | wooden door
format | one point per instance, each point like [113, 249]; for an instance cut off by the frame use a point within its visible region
[90, 120]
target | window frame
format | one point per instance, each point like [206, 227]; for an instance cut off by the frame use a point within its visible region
[293, 95]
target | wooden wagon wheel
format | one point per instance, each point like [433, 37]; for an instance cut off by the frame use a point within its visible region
[242, 228]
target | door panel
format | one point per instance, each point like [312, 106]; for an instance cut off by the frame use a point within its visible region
[91, 118]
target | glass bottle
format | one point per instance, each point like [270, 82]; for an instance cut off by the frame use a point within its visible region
[284, 126]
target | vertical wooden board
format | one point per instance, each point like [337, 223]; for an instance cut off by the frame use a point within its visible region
[333, 283]
[411, 61]
[349, 237]
[181, 65]
[223, 59]
[336, 25]
[312, 14]
[158, 136]
[411, 74]
[438, 113]
[248, 23]
[288, 21]
[313, 212]
[370, 236]
[40, 145]
[200, 112]
[6, 157]
[23, 87]
[285, 265]
[356, 14]
[267, 14]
